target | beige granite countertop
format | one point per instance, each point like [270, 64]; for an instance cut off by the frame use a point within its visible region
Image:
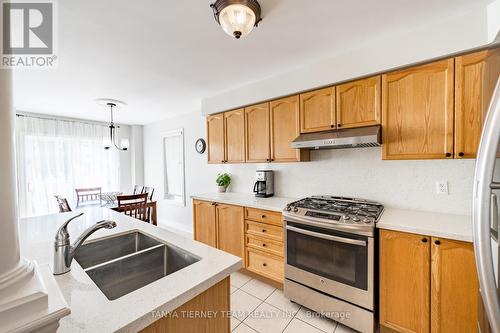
[91, 311]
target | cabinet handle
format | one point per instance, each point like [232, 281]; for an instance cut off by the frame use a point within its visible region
[263, 230]
[264, 245]
[339, 125]
[268, 160]
[424, 240]
[213, 203]
[332, 126]
[264, 264]
[448, 154]
[437, 242]
[263, 216]
[461, 154]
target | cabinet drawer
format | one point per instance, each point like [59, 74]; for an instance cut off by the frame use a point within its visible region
[264, 230]
[265, 264]
[265, 245]
[265, 216]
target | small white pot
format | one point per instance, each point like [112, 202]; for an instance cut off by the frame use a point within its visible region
[222, 188]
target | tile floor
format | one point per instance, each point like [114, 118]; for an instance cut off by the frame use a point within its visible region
[259, 307]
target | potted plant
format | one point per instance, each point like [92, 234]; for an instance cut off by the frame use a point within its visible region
[223, 181]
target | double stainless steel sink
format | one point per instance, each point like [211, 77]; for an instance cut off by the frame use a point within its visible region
[124, 263]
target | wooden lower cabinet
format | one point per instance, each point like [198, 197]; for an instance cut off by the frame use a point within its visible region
[454, 287]
[404, 281]
[230, 229]
[189, 317]
[204, 222]
[427, 284]
[254, 235]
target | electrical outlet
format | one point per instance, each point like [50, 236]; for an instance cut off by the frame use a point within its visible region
[442, 187]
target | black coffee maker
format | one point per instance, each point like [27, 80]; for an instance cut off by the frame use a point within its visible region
[264, 183]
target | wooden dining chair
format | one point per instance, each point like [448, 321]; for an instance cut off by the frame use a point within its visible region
[63, 204]
[85, 195]
[138, 189]
[150, 191]
[134, 205]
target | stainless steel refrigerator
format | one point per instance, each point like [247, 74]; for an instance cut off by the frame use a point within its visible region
[486, 215]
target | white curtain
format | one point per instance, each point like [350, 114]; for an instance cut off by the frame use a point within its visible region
[55, 156]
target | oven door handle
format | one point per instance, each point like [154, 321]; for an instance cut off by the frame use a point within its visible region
[327, 237]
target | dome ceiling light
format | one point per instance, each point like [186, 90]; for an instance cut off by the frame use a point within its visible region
[237, 17]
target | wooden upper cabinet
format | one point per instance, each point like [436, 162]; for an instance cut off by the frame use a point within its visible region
[476, 75]
[285, 127]
[257, 133]
[235, 136]
[215, 135]
[404, 281]
[358, 103]
[204, 222]
[231, 229]
[417, 106]
[317, 110]
[454, 287]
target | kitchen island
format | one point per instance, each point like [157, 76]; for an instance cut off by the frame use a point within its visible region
[92, 311]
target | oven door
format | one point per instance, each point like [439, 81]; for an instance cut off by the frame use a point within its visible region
[337, 263]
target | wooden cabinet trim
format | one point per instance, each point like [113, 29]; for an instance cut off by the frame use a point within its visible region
[373, 106]
[325, 125]
[237, 143]
[212, 140]
[297, 155]
[475, 79]
[266, 142]
[445, 139]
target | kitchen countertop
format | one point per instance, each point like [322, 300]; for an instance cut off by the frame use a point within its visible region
[91, 311]
[457, 227]
[273, 203]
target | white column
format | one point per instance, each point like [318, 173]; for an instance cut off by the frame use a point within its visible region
[24, 288]
[9, 241]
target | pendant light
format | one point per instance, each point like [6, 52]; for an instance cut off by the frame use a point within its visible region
[110, 141]
[237, 17]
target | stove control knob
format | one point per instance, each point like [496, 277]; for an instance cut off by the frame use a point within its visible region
[355, 219]
[346, 217]
[295, 209]
[288, 208]
[366, 220]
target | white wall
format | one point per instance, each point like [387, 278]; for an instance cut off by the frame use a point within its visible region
[452, 34]
[355, 172]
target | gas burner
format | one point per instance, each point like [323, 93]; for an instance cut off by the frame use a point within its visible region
[337, 210]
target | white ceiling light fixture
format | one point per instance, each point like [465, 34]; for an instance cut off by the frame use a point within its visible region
[237, 17]
[113, 104]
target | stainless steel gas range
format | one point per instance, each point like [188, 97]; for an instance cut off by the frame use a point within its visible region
[330, 258]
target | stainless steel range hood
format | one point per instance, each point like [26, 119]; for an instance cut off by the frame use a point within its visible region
[341, 138]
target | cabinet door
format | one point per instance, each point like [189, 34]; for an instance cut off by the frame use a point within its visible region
[231, 229]
[257, 133]
[317, 110]
[454, 287]
[285, 127]
[358, 103]
[476, 77]
[204, 222]
[235, 136]
[404, 281]
[215, 134]
[417, 105]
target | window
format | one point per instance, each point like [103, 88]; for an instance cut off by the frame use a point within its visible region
[173, 161]
[55, 156]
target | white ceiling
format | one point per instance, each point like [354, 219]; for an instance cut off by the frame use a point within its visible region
[163, 57]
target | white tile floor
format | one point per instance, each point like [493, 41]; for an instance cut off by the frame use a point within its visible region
[259, 307]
